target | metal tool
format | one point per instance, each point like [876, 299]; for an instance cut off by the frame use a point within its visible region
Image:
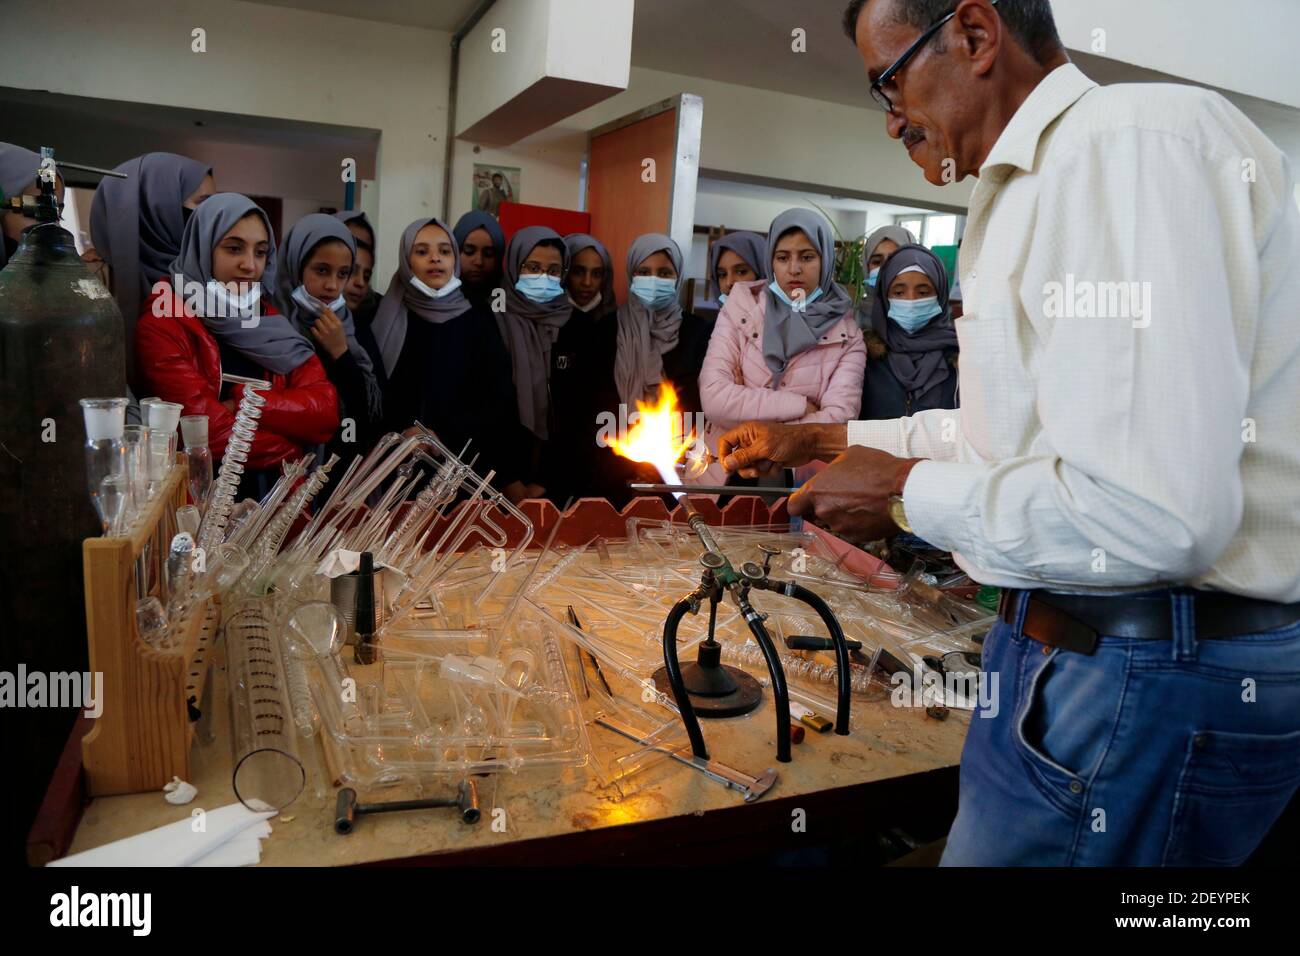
[810, 642]
[661, 489]
[588, 660]
[348, 809]
[751, 787]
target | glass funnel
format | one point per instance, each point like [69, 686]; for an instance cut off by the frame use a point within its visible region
[106, 481]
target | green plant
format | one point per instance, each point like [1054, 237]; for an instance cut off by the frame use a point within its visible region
[848, 258]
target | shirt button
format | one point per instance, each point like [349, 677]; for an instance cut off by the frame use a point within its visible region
[1076, 786]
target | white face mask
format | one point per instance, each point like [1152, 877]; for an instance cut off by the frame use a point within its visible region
[595, 301]
[452, 285]
[225, 304]
[312, 304]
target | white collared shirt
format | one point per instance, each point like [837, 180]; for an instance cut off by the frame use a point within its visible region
[1130, 353]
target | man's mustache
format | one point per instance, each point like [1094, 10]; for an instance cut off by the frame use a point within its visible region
[912, 135]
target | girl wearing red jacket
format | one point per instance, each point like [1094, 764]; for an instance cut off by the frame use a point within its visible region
[207, 318]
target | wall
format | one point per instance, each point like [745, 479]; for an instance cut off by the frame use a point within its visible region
[853, 152]
[261, 61]
[1243, 47]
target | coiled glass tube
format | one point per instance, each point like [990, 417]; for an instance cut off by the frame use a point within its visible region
[222, 500]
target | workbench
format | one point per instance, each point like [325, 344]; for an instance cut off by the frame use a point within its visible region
[898, 768]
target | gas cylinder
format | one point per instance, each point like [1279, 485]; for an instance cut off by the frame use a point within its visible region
[61, 339]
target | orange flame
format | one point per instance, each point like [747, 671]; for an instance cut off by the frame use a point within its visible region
[653, 437]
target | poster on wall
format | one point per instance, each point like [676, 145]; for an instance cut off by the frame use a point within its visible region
[494, 185]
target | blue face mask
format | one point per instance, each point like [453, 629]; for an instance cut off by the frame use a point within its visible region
[542, 288]
[914, 314]
[872, 276]
[780, 294]
[656, 293]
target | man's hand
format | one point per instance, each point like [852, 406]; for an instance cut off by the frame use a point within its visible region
[851, 496]
[760, 448]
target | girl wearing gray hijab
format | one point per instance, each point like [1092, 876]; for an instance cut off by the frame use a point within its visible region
[362, 300]
[582, 388]
[912, 342]
[210, 319]
[657, 342]
[786, 350]
[736, 257]
[536, 309]
[18, 169]
[136, 223]
[590, 279]
[446, 365]
[312, 270]
[878, 246]
[482, 246]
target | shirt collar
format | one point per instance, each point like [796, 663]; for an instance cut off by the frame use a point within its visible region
[1055, 93]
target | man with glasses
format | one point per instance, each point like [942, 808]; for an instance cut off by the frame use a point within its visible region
[1125, 463]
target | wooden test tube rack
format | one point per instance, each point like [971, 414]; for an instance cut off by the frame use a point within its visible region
[150, 695]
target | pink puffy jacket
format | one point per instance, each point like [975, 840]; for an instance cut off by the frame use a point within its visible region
[830, 373]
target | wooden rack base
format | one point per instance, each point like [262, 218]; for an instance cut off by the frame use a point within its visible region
[150, 695]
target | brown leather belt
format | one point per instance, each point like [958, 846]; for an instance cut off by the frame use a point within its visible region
[1076, 622]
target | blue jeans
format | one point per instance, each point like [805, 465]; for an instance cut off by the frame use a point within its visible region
[1146, 753]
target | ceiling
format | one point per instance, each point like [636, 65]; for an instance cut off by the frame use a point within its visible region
[445, 15]
[748, 42]
[106, 132]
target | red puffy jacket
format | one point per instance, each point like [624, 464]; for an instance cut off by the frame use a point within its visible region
[180, 361]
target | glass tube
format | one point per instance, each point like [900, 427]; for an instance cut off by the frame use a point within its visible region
[105, 419]
[135, 440]
[194, 429]
[162, 418]
[268, 772]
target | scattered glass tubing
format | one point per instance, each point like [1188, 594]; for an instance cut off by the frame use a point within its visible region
[247, 532]
[273, 534]
[798, 668]
[556, 570]
[221, 501]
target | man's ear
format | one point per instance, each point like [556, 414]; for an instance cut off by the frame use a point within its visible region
[979, 34]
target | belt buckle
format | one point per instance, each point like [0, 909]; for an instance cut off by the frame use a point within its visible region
[1076, 637]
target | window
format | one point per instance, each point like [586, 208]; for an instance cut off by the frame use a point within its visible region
[932, 229]
[913, 224]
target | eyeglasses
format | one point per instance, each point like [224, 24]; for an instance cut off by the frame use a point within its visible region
[877, 88]
[535, 269]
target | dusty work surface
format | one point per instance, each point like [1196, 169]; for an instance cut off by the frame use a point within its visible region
[887, 743]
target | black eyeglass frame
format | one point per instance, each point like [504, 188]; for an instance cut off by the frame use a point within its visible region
[877, 92]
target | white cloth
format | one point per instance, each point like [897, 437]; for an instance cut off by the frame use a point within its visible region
[232, 836]
[1079, 434]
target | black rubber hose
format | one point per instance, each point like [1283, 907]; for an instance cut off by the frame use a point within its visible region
[779, 690]
[675, 679]
[843, 674]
